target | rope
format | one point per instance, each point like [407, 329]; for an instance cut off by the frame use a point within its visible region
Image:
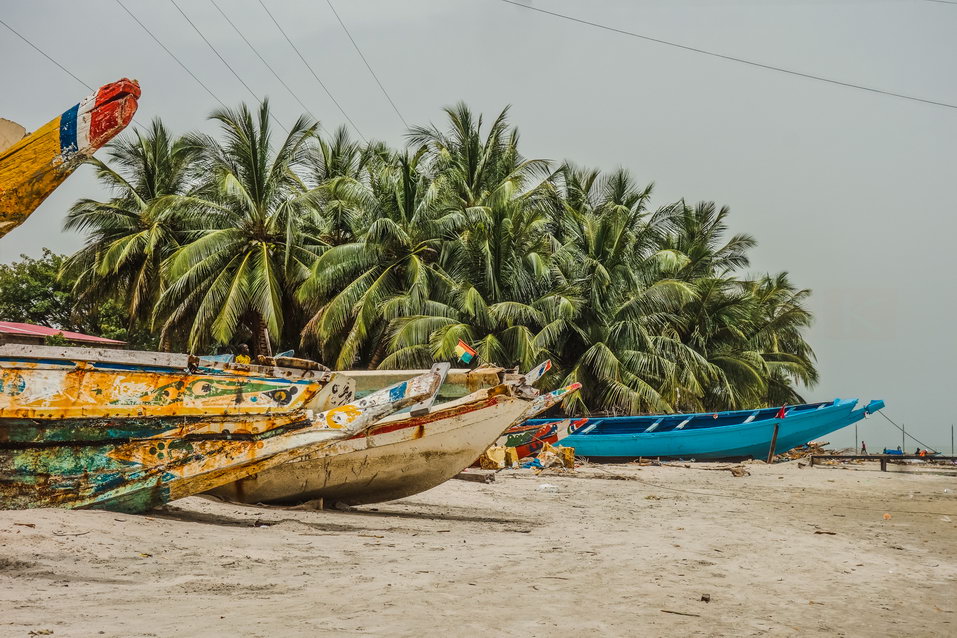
[926, 447]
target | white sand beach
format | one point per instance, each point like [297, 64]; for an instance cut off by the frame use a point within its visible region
[618, 550]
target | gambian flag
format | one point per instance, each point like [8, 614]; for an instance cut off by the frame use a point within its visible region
[464, 352]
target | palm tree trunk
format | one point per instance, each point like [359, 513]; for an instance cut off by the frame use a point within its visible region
[379, 353]
[261, 342]
[165, 342]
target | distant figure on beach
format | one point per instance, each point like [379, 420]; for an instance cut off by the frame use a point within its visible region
[243, 356]
[863, 447]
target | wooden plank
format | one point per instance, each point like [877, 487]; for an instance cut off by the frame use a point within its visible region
[476, 476]
[774, 442]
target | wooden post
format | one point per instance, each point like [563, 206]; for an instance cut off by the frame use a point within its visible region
[774, 442]
[812, 463]
[883, 464]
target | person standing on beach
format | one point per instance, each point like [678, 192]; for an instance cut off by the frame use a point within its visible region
[863, 447]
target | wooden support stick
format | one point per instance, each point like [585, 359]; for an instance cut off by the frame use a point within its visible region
[774, 442]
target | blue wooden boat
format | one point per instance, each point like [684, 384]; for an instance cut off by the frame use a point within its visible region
[715, 435]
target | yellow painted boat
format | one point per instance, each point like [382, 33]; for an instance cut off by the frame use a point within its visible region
[32, 166]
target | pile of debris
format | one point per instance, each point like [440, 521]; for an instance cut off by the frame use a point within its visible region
[814, 447]
[499, 457]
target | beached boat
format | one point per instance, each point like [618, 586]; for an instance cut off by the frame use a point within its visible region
[402, 454]
[51, 383]
[737, 434]
[130, 430]
[458, 383]
[32, 166]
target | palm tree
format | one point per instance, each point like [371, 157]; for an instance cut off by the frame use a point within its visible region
[385, 274]
[250, 252]
[131, 234]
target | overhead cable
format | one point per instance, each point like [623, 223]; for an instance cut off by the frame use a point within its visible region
[366, 62]
[311, 70]
[254, 50]
[732, 58]
[171, 54]
[41, 52]
[228, 66]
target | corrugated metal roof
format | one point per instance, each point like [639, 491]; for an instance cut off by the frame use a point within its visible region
[14, 328]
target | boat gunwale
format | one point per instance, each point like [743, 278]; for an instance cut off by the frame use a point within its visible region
[742, 426]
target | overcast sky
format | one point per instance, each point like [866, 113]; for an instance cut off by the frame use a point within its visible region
[849, 191]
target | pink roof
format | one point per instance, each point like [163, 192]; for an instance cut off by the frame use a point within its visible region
[13, 328]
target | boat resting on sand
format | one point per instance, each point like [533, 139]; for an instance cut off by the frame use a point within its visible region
[402, 454]
[719, 435]
[71, 438]
[56, 386]
[32, 166]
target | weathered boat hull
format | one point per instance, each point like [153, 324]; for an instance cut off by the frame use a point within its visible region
[63, 387]
[604, 439]
[34, 166]
[400, 456]
[122, 471]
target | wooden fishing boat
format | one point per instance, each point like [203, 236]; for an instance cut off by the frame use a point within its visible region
[458, 383]
[111, 458]
[32, 166]
[402, 454]
[50, 383]
[719, 435]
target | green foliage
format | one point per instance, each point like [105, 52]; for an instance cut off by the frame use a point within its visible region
[34, 291]
[362, 255]
[55, 340]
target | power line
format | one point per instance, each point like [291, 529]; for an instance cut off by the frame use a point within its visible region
[368, 66]
[41, 52]
[228, 66]
[311, 70]
[276, 75]
[171, 54]
[731, 58]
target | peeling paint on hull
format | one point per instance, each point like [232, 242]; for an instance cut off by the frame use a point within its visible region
[135, 463]
[33, 167]
[48, 384]
[401, 456]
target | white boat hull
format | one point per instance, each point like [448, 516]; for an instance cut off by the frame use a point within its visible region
[402, 455]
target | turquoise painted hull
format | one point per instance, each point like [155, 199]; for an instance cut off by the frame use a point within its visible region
[722, 435]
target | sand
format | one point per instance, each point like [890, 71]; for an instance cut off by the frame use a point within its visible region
[784, 551]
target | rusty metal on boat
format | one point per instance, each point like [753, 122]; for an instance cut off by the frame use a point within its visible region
[79, 454]
[401, 455]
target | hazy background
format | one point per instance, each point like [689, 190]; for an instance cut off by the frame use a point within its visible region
[849, 191]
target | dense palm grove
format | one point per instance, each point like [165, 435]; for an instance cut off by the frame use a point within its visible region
[364, 256]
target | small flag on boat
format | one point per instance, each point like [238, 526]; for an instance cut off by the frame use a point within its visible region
[465, 352]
